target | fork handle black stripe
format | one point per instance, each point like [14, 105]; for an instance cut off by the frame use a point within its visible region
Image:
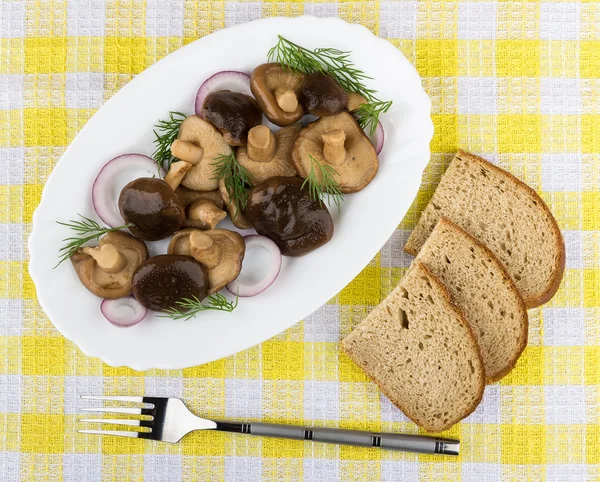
[391, 441]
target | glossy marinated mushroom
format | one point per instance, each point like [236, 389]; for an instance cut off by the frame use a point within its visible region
[233, 113]
[198, 145]
[151, 209]
[267, 154]
[355, 101]
[220, 251]
[188, 196]
[107, 269]
[323, 96]
[237, 216]
[277, 91]
[281, 209]
[337, 141]
[203, 214]
[161, 281]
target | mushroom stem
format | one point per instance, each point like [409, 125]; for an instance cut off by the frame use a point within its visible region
[287, 100]
[203, 214]
[333, 146]
[187, 151]
[204, 249]
[176, 173]
[108, 258]
[261, 144]
[355, 101]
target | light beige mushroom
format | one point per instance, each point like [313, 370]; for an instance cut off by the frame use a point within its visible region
[199, 144]
[203, 214]
[279, 163]
[107, 269]
[337, 141]
[220, 251]
[176, 173]
[355, 101]
[238, 218]
[188, 196]
[277, 91]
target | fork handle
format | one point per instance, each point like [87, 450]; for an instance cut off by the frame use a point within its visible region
[391, 441]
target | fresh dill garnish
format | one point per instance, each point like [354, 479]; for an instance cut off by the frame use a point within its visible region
[337, 64]
[322, 183]
[165, 133]
[86, 230]
[236, 177]
[187, 308]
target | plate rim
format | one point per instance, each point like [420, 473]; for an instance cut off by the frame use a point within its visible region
[88, 350]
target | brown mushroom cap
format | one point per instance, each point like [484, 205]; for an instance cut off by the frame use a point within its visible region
[102, 283]
[202, 134]
[203, 214]
[233, 113]
[355, 169]
[323, 96]
[220, 251]
[270, 81]
[188, 196]
[238, 218]
[281, 162]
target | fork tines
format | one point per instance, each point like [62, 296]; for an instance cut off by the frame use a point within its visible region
[149, 411]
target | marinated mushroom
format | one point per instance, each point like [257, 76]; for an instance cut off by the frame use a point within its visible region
[281, 209]
[323, 96]
[340, 142]
[107, 269]
[199, 144]
[161, 281]
[267, 154]
[151, 208]
[237, 216]
[188, 196]
[203, 214]
[355, 101]
[277, 91]
[233, 113]
[220, 251]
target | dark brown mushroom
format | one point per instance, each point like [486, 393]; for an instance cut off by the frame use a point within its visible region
[161, 281]
[233, 113]
[107, 270]
[151, 208]
[277, 91]
[281, 209]
[323, 96]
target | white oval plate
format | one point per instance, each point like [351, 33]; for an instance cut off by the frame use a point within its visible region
[125, 123]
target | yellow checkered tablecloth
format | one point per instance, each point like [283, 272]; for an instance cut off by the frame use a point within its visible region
[518, 82]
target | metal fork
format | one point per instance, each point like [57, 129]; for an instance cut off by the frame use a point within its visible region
[171, 420]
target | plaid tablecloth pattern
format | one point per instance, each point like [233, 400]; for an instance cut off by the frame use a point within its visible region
[515, 81]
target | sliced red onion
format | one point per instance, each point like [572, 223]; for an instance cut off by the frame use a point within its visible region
[377, 138]
[225, 80]
[113, 177]
[123, 312]
[258, 271]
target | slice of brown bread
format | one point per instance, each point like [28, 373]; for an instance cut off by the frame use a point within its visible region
[483, 290]
[417, 346]
[505, 215]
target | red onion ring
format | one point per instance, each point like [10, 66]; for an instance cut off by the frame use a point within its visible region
[244, 285]
[123, 312]
[225, 80]
[377, 138]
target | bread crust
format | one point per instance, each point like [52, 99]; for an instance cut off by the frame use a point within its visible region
[556, 278]
[513, 289]
[446, 294]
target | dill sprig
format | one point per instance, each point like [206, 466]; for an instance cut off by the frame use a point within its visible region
[322, 183]
[337, 64]
[188, 308]
[165, 133]
[235, 176]
[86, 229]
